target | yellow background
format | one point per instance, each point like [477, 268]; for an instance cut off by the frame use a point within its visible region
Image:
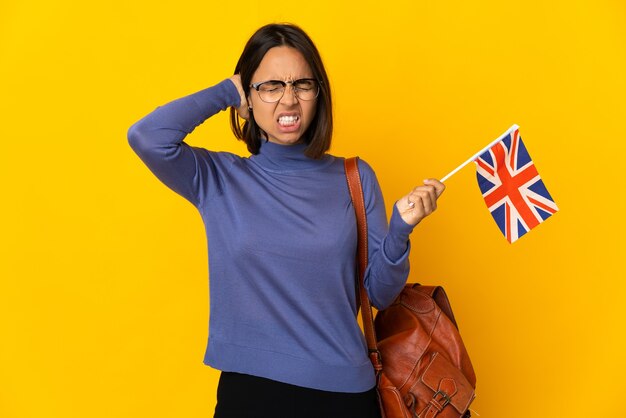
[103, 289]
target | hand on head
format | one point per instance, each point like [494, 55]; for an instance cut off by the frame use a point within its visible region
[243, 111]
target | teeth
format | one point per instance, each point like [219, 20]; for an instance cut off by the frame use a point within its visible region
[288, 120]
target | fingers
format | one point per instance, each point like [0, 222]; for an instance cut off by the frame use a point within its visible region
[424, 199]
[244, 112]
[439, 186]
[421, 201]
[243, 109]
[236, 79]
[426, 195]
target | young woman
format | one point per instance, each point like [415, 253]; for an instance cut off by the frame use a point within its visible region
[282, 235]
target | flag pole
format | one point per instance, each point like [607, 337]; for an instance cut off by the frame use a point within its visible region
[473, 157]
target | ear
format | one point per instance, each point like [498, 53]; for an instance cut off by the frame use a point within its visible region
[249, 107]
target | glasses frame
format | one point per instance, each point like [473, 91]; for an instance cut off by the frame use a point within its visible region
[258, 85]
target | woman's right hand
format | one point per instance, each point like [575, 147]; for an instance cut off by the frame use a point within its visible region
[243, 106]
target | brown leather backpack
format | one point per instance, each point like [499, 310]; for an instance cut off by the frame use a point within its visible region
[422, 366]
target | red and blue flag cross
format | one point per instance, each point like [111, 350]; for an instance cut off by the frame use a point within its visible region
[512, 188]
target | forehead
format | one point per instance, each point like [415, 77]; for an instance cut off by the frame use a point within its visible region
[282, 63]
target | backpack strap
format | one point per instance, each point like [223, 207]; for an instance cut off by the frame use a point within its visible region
[356, 193]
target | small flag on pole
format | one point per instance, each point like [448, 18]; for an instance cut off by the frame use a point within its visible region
[512, 188]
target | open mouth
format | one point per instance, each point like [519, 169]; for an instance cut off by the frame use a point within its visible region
[288, 120]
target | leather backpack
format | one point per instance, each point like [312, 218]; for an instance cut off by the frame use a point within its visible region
[422, 367]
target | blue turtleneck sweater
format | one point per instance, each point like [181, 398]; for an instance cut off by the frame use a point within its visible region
[281, 234]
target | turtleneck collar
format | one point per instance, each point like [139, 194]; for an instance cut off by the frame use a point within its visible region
[277, 157]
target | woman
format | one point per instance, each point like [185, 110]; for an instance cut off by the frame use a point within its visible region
[282, 235]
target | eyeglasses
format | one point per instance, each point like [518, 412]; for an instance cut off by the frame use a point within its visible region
[272, 91]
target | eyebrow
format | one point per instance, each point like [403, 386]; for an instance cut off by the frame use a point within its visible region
[289, 79]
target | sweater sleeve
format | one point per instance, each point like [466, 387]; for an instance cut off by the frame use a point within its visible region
[388, 244]
[158, 140]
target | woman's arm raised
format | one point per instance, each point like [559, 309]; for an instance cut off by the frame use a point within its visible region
[158, 138]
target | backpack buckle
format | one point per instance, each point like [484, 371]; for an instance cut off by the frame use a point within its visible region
[441, 398]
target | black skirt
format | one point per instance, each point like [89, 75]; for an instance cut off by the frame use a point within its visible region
[245, 396]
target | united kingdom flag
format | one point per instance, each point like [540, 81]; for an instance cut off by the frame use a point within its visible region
[515, 194]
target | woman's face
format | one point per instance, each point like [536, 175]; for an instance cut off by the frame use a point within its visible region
[286, 120]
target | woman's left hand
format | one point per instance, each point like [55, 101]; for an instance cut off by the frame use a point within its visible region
[421, 202]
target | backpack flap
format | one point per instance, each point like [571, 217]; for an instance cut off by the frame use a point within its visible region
[448, 383]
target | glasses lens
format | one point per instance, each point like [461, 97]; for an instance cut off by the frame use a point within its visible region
[271, 91]
[306, 89]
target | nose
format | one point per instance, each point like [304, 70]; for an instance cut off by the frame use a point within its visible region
[289, 96]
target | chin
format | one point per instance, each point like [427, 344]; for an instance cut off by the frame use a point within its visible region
[287, 139]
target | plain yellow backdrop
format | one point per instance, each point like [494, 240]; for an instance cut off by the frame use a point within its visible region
[103, 288]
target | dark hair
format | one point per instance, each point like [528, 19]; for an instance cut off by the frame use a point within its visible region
[319, 133]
